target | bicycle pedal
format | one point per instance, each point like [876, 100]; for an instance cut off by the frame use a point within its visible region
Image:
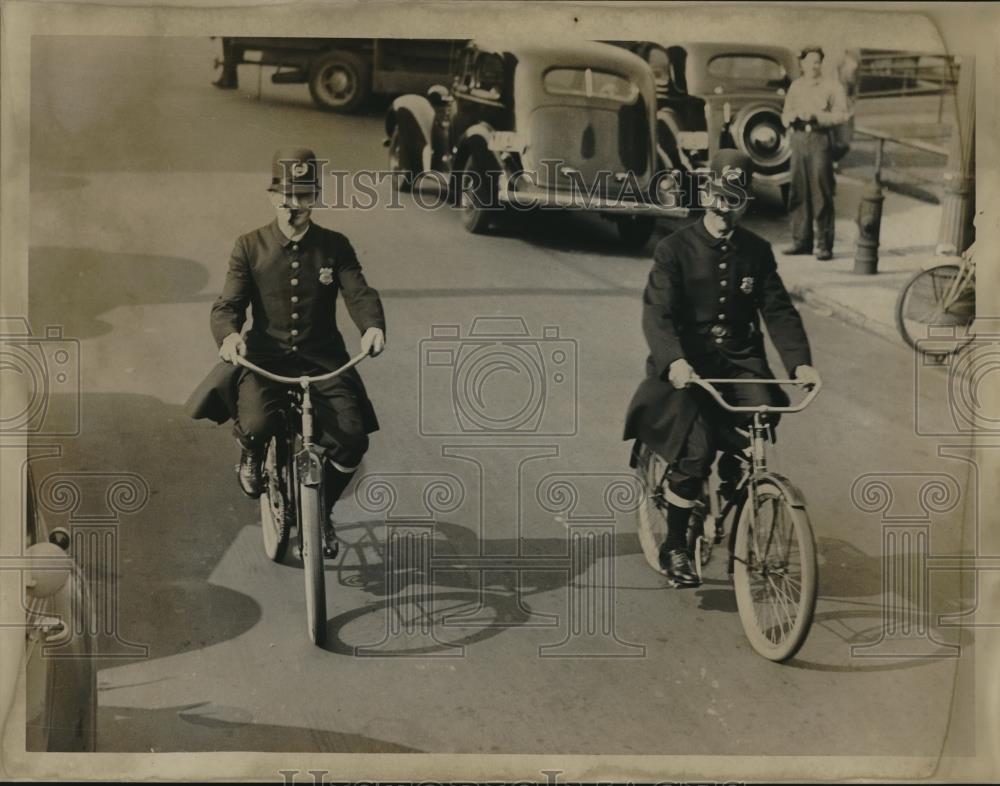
[331, 551]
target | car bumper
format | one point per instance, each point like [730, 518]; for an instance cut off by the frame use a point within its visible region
[525, 196]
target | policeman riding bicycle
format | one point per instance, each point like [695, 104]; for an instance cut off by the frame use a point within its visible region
[289, 274]
[711, 285]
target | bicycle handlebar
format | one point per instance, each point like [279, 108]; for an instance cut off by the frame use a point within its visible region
[303, 381]
[708, 385]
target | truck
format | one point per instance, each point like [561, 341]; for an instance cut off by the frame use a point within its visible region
[343, 73]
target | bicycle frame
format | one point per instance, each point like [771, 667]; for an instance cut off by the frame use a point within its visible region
[759, 433]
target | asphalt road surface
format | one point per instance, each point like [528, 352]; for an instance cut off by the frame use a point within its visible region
[511, 632]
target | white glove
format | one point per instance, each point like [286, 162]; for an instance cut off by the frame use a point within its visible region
[233, 345]
[680, 373]
[373, 342]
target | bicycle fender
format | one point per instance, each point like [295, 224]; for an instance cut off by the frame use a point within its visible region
[795, 497]
[310, 469]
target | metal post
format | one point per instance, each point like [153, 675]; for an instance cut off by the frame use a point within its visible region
[959, 205]
[870, 220]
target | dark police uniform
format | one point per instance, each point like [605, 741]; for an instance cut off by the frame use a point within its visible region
[291, 288]
[703, 302]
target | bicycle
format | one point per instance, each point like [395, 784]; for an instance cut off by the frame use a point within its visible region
[772, 553]
[293, 491]
[943, 297]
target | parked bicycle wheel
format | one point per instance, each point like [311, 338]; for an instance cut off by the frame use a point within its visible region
[933, 297]
[276, 508]
[311, 542]
[774, 575]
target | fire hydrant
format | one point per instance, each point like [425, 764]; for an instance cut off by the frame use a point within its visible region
[870, 222]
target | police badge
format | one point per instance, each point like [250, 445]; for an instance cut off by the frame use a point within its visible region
[746, 285]
[326, 275]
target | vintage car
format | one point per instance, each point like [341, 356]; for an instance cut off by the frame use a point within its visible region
[538, 125]
[58, 672]
[712, 96]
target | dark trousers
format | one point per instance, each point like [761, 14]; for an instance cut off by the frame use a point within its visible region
[338, 424]
[713, 430]
[810, 196]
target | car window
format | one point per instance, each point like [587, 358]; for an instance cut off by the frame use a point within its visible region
[757, 68]
[590, 83]
[489, 73]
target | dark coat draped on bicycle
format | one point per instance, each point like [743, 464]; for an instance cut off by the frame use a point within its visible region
[703, 302]
[260, 275]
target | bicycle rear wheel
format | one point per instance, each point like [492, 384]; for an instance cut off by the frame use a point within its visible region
[311, 537]
[774, 575]
[927, 301]
[276, 514]
[652, 519]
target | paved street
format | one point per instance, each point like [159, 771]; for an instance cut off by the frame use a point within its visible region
[485, 646]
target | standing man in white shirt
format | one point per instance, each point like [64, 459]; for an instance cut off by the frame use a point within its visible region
[813, 106]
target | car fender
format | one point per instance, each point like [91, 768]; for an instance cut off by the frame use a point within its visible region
[476, 138]
[414, 116]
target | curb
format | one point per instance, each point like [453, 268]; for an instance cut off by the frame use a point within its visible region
[806, 294]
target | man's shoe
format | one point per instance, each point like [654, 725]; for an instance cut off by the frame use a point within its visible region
[248, 473]
[331, 546]
[793, 251]
[677, 564]
[824, 254]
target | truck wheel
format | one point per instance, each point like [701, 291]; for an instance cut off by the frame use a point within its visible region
[340, 81]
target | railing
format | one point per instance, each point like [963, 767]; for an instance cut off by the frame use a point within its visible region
[882, 137]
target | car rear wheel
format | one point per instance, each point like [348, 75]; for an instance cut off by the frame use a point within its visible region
[635, 231]
[340, 81]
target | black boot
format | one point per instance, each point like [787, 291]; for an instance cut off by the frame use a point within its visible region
[248, 472]
[674, 557]
[334, 483]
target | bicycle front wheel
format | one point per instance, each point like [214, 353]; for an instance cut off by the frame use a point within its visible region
[311, 533]
[774, 572]
[929, 299]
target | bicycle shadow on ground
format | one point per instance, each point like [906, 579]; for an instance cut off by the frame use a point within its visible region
[454, 591]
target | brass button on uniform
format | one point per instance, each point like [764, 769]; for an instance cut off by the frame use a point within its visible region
[295, 282]
[722, 316]
[724, 282]
[295, 298]
[295, 315]
[295, 246]
[295, 332]
[722, 298]
[718, 341]
[722, 266]
[295, 264]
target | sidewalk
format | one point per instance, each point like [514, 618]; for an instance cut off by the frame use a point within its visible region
[907, 241]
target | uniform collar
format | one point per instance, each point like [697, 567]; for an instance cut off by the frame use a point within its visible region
[711, 240]
[283, 239]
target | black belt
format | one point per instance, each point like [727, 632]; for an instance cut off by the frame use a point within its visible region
[720, 330]
[808, 128]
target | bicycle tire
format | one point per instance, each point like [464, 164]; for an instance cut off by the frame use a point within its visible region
[756, 567]
[652, 519]
[310, 527]
[919, 305]
[275, 505]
